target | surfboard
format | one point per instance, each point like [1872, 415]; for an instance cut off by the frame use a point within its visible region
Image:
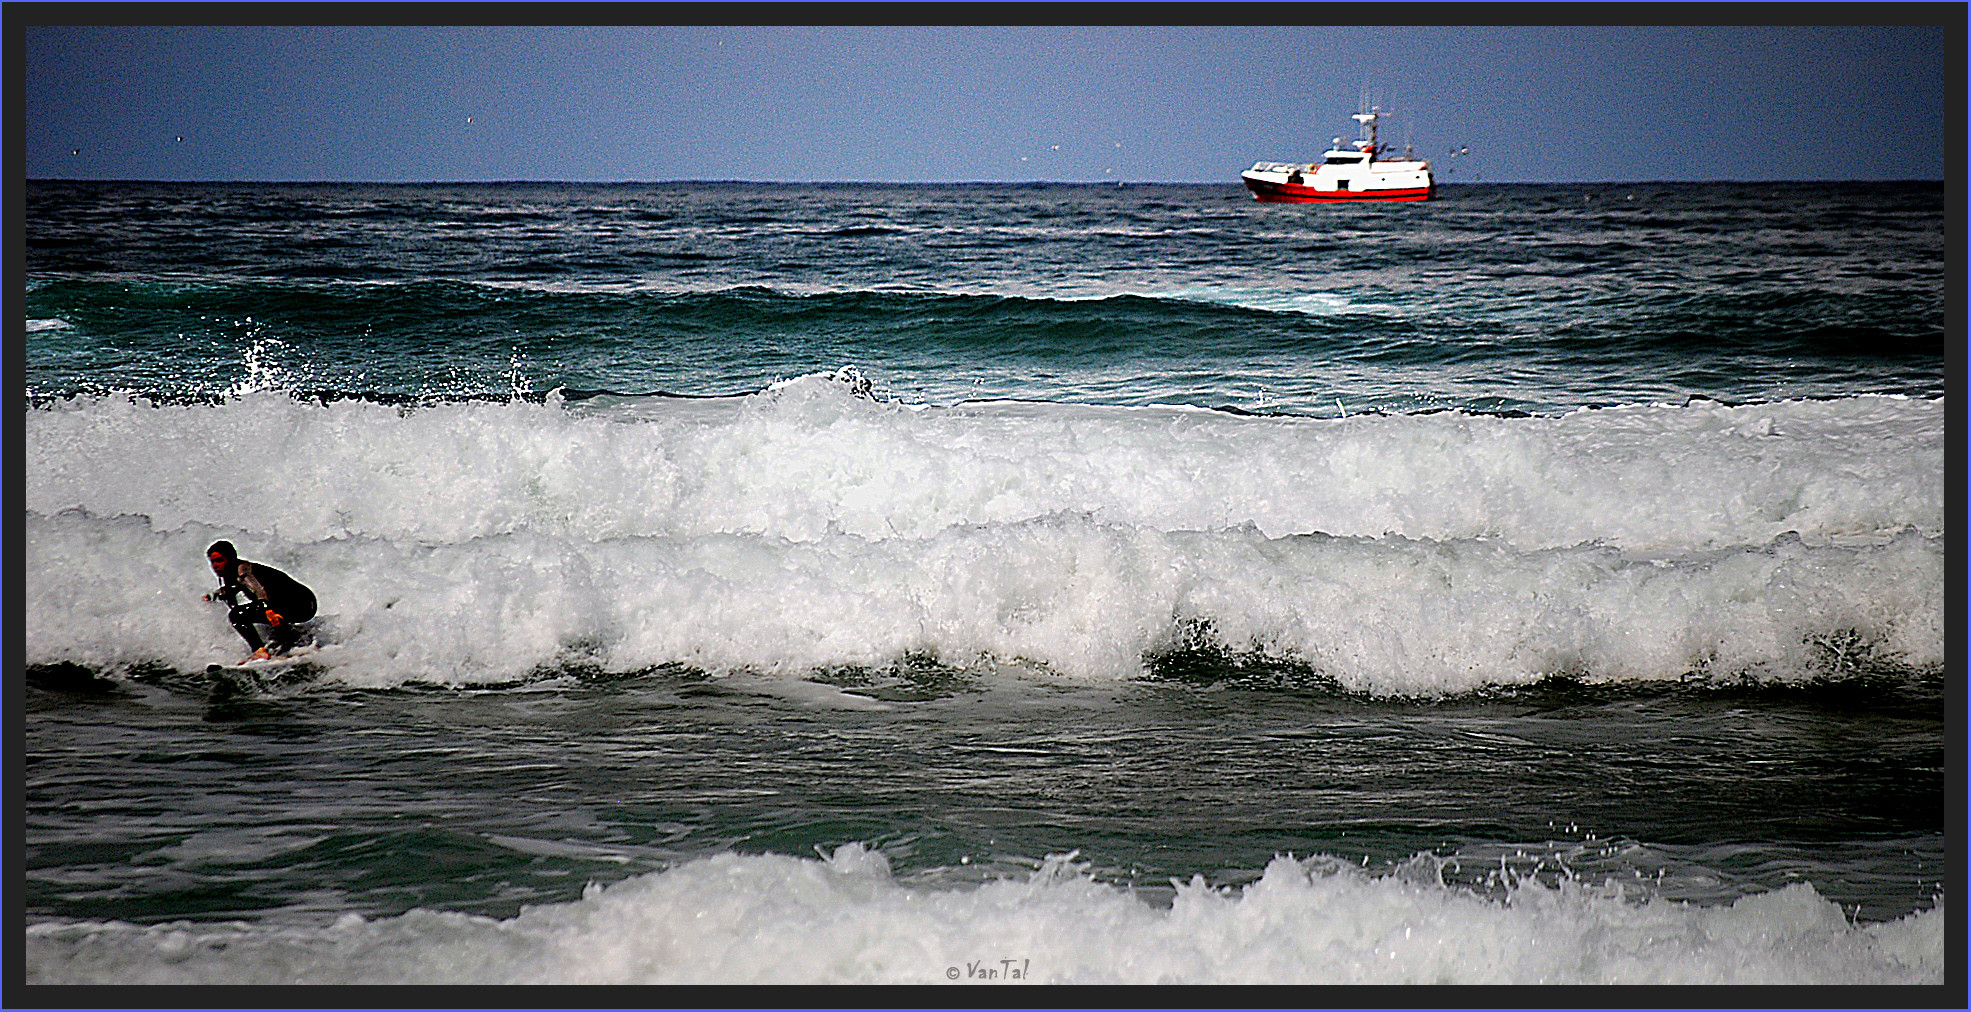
[252, 675]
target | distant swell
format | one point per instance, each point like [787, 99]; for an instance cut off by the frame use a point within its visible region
[321, 325]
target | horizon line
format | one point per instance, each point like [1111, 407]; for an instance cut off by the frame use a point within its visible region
[1118, 183]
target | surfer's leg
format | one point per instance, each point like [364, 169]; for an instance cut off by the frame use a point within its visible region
[294, 616]
[243, 616]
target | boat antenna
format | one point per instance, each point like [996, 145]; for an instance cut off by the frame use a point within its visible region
[1368, 121]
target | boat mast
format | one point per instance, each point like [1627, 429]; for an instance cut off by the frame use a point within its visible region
[1368, 121]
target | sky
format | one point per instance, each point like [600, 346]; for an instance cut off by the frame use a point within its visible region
[1170, 104]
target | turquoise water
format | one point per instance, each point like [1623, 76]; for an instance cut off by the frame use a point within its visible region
[1531, 298]
[861, 583]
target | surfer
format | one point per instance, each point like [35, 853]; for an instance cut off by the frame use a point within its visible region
[273, 599]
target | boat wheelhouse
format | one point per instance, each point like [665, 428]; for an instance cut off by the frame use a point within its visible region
[1345, 174]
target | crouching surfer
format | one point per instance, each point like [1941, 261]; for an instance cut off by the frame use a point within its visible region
[273, 599]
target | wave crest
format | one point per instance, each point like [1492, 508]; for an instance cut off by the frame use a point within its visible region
[845, 919]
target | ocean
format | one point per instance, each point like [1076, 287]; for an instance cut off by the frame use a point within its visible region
[989, 584]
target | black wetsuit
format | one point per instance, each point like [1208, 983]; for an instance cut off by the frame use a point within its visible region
[266, 589]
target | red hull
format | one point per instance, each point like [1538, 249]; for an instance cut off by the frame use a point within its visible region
[1288, 193]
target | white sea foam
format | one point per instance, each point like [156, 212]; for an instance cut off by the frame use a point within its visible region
[775, 919]
[1068, 594]
[805, 528]
[806, 458]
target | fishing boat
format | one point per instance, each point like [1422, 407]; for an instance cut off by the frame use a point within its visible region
[1345, 174]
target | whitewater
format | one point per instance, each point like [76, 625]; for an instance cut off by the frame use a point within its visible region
[844, 919]
[807, 526]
